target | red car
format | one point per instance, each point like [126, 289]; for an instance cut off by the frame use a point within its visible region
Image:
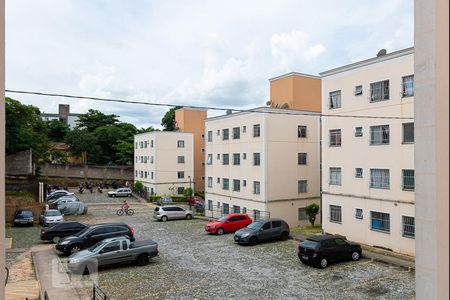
[194, 200]
[228, 223]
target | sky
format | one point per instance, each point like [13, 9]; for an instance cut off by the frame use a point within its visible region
[187, 52]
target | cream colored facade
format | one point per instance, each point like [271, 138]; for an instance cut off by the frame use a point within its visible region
[376, 208]
[164, 161]
[270, 188]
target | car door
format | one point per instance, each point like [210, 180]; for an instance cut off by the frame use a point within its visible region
[264, 233]
[342, 249]
[329, 249]
[180, 212]
[110, 254]
[95, 236]
[230, 224]
[276, 229]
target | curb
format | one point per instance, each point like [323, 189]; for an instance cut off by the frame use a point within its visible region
[36, 273]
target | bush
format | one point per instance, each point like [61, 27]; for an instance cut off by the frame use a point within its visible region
[155, 198]
[312, 210]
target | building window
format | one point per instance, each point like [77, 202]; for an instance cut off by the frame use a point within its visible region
[359, 213]
[209, 159]
[180, 144]
[225, 183]
[210, 205]
[302, 186]
[225, 159]
[379, 135]
[408, 227]
[180, 159]
[358, 172]
[335, 176]
[335, 138]
[408, 133]
[256, 187]
[358, 90]
[244, 155]
[145, 174]
[358, 131]
[236, 159]
[236, 209]
[379, 91]
[379, 178]
[256, 159]
[151, 144]
[210, 182]
[380, 221]
[151, 175]
[180, 174]
[244, 183]
[218, 132]
[225, 208]
[136, 173]
[210, 135]
[218, 204]
[301, 214]
[335, 214]
[218, 179]
[408, 86]
[225, 134]
[236, 185]
[335, 99]
[151, 159]
[301, 131]
[408, 180]
[218, 156]
[244, 129]
[180, 190]
[244, 210]
[136, 145]
[236, 133]
[302, 158]
[256, 130]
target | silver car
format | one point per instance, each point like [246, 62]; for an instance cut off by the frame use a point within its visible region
[122, 192]
[50, 217]
[171, 212]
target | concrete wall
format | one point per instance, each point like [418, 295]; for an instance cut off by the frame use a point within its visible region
[88, 172]
[20, 163]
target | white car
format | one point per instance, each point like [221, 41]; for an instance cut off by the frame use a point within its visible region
[122, 192]
[50, 217]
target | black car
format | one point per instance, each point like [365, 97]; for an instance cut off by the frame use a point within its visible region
[323, 249]
[91, 235]
[262, 231]
[23, 217]
[60, 230]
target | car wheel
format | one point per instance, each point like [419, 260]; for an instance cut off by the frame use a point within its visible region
[74, 249]
[356, 255]
[188, 216]
[253, 241]
[56, 239]
[114, 196]
[129, 195]
[164, 218]
[284, 236]
[220, 231]
[143, 260]
[323, 263]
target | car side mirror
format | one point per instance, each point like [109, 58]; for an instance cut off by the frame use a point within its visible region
[261, 229]
[101, 251]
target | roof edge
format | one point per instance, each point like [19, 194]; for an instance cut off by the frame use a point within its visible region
[294, 74]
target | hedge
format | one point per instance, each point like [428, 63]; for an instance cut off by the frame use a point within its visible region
[154, 198]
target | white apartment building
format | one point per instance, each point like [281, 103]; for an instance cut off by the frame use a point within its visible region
[263, 163]
[368, 163]
[164, 161]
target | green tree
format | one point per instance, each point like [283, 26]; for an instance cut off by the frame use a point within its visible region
[187, 192]
[82, 141]
[94, 119]
[148, 129]
[311, 211]
[57, 130]
[138, 187]
[124, 152]
[113, 138]
[168, 121]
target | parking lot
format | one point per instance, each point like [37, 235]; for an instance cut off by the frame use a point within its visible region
[195, 265]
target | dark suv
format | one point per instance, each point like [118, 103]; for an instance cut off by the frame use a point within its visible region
[92, 235]
[60, 230]
[262, 231]
[323, 249]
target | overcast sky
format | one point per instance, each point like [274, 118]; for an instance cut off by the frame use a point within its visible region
[192, 52]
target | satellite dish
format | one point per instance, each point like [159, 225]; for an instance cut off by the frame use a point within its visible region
[381, 52]
[285, 106]
[268, 103]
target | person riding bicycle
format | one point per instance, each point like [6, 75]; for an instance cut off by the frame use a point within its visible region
[125, 205]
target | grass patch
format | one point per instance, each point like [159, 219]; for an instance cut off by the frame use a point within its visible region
[26, 196]
[307, 230]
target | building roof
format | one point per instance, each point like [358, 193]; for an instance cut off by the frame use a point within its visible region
[59, 146]
[369, 61]
[165, 132]
[267, 110]
[294, 74]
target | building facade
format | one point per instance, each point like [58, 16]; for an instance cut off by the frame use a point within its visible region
[64, 115]
[368, 162]
[164, 161]
[264, 162]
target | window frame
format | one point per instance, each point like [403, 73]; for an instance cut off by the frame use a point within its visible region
[406, 187]
[302, 158]
[302, 131]
[404, 88]
[302, 186]
[380, 216]
[410, 140]
[376, 130]
[335, 137]
[382, 186]
[334, 99]
[335, 211]
[409, 229]
[384, 86]
[335, 180]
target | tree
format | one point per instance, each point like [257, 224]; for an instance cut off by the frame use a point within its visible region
[124, 152]
[187, 192]
[168, 121]
[82, 141]
[57, 130]
[138, 187]
[311, 211]
[94, 119]
[148, 129]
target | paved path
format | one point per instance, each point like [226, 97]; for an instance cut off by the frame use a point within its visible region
[21, 290]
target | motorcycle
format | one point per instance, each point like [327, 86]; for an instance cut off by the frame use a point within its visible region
[80, 189]
[99, 189]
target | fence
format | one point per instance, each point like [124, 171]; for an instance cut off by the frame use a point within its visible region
[98, 293]
[253, 214]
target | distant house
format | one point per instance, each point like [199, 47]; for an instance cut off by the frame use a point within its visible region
[61, 153]
[64, 115]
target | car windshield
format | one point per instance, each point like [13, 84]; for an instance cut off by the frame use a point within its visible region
[53, 213]
[97, 246]
[82, 232]
[255, 225]
[222, 219]
[310, 244]
[26, 214]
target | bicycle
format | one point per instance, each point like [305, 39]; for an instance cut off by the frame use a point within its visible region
[128, 212]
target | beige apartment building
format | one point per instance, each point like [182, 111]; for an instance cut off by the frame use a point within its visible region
[164, 161]
[264, 162]
[368, 163]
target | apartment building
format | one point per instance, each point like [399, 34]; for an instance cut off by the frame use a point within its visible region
[64, 115]
[263, 162]
[368, 162]
[164, 161]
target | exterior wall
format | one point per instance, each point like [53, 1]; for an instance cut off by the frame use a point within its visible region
[193, 121]
[88, 172]
[356, 152]
[165, 166]
[299, 91]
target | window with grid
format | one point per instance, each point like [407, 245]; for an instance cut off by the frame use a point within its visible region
[225, 208]
[180, 175]
[358, 131]
[358, 172]
[301, 131]
[408, 133]
[302, 158]
[180, 190]
[408, 226]
[256, 130]
[335, 176]
[302, 186]
[209, 159]
[210, 205]
[335, 137]
[380, 221]
[210, 182]
[379, 178]
[225, 183]
[180, 159]
[225, 159]
[335, 99]
[236, 133]
[256, 159]
[256, 187]
[301, 214]
[210, 136]
[180, 144]
[358, 90]
[379, 135]
[359, 213]
[408, 180]
[335, 214]
[236, 185]
[225, 134]
[236, 209]
[236, 159]
[408, 86]
[379, 91]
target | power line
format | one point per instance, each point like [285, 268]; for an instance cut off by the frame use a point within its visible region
[284, 112]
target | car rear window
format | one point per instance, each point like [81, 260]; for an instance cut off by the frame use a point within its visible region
[276, 224]
[157, 208]
[310, 244]
[26, 214]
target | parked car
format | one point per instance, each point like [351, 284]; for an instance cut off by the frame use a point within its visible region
[57, 194]
[64, 199]
[320, 250]
[23, 217]
[122, 192]
[194, 200]
[92, 235]
[171, 212]
[164, 200]
[112, 251]
[199, 207]
[228, 223]
[60, 230]
[262, 231]
[50, 217]
[72, 208]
